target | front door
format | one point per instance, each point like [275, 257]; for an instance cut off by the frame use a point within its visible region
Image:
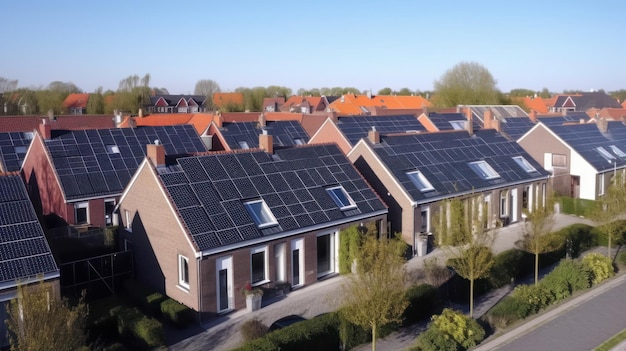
[326, 254]
[297, 263]
[279, 262]
[224, 284]
[575, 187]
[513, 205]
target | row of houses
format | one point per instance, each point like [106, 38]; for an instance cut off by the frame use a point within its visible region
[210, 204]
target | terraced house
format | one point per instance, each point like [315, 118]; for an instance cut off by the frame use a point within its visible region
[203, 227]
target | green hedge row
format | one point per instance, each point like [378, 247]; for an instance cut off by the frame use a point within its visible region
[144, 332]
[158, 305]
[578, 207]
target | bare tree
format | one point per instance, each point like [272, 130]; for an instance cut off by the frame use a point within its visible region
[206, 87]
[7, 85]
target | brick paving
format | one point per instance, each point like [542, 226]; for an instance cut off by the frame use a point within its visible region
[324, 296]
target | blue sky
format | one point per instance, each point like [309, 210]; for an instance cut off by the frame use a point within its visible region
[363, 44]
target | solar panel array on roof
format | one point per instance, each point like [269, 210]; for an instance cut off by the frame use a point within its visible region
[24, 251]
[603, 151]
[444, 160]
[13, 147]
[284, 133]
[211, 192]
[559, 120]
[355, 128]
[516, 127]
[451, 121]
[101, 162]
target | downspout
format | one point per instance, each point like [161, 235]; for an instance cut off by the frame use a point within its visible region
[199, 263]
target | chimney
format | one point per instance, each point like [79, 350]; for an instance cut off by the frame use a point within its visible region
[369, 94]
[266, 142]
[470, 122]
[45, 129]
[140, 113]
[374, 136]
[262, 121]
[131, 122]
[218, 120]
[497, 125]
[488, 119]
[468, 113]
[533, 115]
[156, 153]
[603, 125]
[51, 115]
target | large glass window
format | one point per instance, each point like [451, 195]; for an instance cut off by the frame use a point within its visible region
[260, 213]
[484, 170]
[341, 197]
[258, 259]
[81, 213]
[420, 181]
[522, 162]
[183, 271]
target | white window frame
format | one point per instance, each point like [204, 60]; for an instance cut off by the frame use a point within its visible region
[604, 153]
[112, 149]
[298, 141]
[458, 125]
[260, 250]
[420, 181]
[556, 160]
[264, 218]
[601, 183]
[128, 225]
[183, 267]
[504, 203]
[28, 135]
[80, 205]
[617, 151]
[243, 145]
[342, 206]
[523, 162]
[484, 170]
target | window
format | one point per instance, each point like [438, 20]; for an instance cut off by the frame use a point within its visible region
[607, 155]
[243, 144]
[341, 198]
[420, 181]
[503, 203]
[559, 160]
[601, 184]
[28, 135]
[183, 271]
[298, 141]
[81, 213]
[458, 125]
[484, 170]
[112, 149]
[127, 223]
[617, 151]
[260, 213]
[522, 162]
[20, 149]
[259, 267]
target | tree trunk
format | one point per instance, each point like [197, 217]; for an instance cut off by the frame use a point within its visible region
[610, 235]
[471, 302]
[537, 267]
[374, 337]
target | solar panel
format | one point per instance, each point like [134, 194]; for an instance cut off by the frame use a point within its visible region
[196, 220]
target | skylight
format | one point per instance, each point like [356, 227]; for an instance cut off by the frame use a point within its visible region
[522, 162]
[607, 155]
[618, 151]
[298, 141]
[484, 170]
[341, 198]
[112, 149]
[243, 144]
[420, 181]
[260, 213]
[458, 125]
[20, 149]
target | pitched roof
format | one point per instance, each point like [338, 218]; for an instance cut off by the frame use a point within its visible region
[357, 127]
[13, 147]
[585, 101]
[76, 100]
[351, 104]
[172, 100]
[24, 251]
[316, 103]
[66, 122]
[570, 118]
[95, 163]
[451, 121]
[585, 139]
[499, 111]
[535, 103]
[210, 191]
[284, 133]
[516, 127]
[444, 160]
[223, 99]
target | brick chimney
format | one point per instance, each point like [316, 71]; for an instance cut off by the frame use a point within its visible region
[262, 120]
[469, 124]
[45, 129]
[468, 113]
[218, 120]
[140, 113]
[532, 115]
[497, 125]
[266, 142]
[603, 124]
[156, 153]
[374, 136]
[488, 119]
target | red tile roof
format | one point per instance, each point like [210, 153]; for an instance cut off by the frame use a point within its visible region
[222, 99]
[76, 101]
[63, 122]
[350, 104]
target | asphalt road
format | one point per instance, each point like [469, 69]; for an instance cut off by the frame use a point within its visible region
[582, 327]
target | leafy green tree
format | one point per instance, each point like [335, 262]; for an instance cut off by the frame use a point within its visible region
[133, 93]
[618, 94]
[36, 320]
[405, 92]
[610, 207]
[275, 91]
[376, 294]
[467, 83]
[521, 92]
[537, 237]
[95, 104]
[385, 91]
[545, 93]
[468, 244]
[51, 98]
[206, 88]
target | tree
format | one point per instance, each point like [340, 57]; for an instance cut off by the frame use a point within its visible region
[545, 93]
[133, 93]
[467, 83]
[385, 91]
[206, 87]
[36, 320]
[95, 104]
[275, 91]
[537, 237]
[7, 85]
[610, 207]
[466, 241]
[405, 92]
[618, 94]
[521, 92]
[375, 294]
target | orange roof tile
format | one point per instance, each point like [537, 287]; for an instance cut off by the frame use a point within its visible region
[535, 103]
[222, 99]
[350, 104]
[624, 104]
[76, 100]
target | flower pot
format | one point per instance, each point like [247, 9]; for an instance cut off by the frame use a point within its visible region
[253, 302]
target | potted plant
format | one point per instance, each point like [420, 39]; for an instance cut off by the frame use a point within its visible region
[254, 296]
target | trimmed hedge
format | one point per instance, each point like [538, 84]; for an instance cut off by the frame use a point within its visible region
[144, 332]
[580, 236]
[508, 265]
[601, 239]
[176, 313]
[578, 207]
[147, 299]
[423, 300]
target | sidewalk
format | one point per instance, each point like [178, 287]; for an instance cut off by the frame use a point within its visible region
[324, 296]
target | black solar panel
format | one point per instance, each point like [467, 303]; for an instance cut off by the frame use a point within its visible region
[284, 133]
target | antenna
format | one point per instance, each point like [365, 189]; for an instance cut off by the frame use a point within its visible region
[157, 142]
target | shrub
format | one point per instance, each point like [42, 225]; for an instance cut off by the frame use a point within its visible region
[567, 277]
[351, 334]
[621, 258]
[580, 236]
[506, 312]
[579, 207]
[506, 266]
[465, 331]
[531, 298]
[176, 313]
[252, 329]
[147, 299]
[601, 239]
[148, 331]
[433, 340]
[436, 274]
[600, 266]
[423, 300]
